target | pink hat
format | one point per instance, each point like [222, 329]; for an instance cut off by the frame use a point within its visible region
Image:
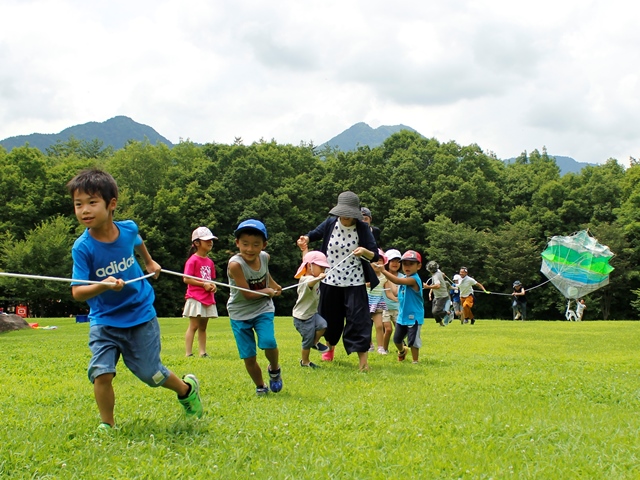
[315, 257]
[383, 257]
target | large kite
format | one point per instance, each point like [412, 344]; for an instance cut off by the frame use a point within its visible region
[576, 264]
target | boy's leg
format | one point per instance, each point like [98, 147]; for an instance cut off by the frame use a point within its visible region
[414, 354]
[318, 335]
[105, 397]
[141, 353]
[304, 356]
[177, 385]
[243, 333]
[265, 331]
[254, 370]
[414, 340]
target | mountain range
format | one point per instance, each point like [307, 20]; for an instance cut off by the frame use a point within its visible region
[117, 131]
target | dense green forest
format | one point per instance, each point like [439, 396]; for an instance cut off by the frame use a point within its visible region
[455, 204]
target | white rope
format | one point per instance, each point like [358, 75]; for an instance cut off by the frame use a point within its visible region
[140, 278]
[315, 278]
[55, 279]
[213, 281]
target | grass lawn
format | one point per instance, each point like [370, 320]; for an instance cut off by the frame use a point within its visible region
[495, 400]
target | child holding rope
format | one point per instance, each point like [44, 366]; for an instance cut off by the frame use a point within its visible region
[200, 303]
[306, 318]
[123, 320]
[251, 310]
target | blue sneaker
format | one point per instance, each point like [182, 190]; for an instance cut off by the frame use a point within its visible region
[309, 365]
[321, 347]
[262, 391]
[275, 380]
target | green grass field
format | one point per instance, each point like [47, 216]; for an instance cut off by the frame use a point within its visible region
[494, 400]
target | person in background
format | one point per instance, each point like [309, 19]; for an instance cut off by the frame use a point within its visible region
[367, 218]
[377, 304]
[438, 287]
[580, 308]
[519, 303]
[466, 284]
[390, 315]
[200, 304]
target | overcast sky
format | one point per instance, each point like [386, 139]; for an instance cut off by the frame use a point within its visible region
[509, 76]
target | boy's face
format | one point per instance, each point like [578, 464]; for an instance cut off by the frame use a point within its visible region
[409, 267]
[250, 246]
[91, 210]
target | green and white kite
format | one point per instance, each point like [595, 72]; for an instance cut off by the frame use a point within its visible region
[576, 264]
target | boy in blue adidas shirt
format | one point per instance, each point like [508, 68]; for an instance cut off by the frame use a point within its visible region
[123, 319]
[411, 305]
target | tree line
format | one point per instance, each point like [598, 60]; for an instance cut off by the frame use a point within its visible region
[454, 204]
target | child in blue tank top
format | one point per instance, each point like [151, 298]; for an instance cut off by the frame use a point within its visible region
[411, 306]
[250, 307]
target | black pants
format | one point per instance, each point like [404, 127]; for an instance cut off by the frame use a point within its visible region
[346, 310]
[437, 308]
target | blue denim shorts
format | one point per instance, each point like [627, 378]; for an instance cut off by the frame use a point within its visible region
[308, 328]
[246, 331]
[139, 347]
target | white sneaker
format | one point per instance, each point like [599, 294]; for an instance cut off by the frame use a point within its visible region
[382, 351]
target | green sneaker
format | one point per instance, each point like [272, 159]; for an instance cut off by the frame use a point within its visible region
[104, 429]
[192, 404]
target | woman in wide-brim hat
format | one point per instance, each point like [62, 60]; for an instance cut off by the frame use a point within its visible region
[349, 245]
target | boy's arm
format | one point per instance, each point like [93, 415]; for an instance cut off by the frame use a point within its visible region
[411, 282]
[82, 293]
[235, 272]
[150, 264]
[275, 286]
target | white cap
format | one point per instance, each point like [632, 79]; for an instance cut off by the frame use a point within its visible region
[393, 254]
[202, 233]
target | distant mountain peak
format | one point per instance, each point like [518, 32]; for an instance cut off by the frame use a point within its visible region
[361, 134]
[114, 132]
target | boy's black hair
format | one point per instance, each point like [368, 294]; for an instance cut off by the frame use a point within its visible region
[94, 182]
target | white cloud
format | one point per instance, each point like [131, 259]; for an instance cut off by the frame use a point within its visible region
[505, 75]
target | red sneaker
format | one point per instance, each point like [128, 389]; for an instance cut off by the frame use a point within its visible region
[328, 356]
[403, 354]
